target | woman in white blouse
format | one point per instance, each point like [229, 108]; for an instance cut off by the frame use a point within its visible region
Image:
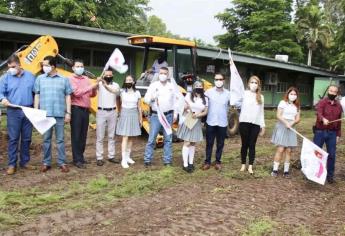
[130, 120]
[283, 137]
[197, 104]
[252, 123]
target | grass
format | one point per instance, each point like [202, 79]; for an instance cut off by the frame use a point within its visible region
[261, 226]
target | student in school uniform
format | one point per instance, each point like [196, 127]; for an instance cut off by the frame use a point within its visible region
[130, 120]
[197, 103]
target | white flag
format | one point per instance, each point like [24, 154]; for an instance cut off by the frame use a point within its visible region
[314, 162]
[116, 61]
[39, 119]
[163, 120]
[236, 84]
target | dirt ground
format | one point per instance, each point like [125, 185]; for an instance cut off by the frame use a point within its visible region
[203, 203]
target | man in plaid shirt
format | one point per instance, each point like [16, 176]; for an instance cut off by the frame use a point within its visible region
[52, 93]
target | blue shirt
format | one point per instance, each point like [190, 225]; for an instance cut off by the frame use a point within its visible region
[218, 106]
[53, 92]
[18, 90]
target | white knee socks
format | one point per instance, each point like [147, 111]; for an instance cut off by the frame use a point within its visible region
[191, 154]
[286, 166]
[275, 166]
[185, 153]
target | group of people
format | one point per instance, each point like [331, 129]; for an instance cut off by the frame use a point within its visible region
[68, 101]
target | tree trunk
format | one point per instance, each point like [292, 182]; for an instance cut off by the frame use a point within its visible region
[310, 54]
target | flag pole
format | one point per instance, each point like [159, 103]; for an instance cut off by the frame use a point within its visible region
[299, 134]
[336, 120]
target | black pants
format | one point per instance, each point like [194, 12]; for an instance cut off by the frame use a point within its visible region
[79, 128]
[212, 133]
[249, 134]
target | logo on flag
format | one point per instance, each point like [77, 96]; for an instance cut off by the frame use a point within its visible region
[116, 61]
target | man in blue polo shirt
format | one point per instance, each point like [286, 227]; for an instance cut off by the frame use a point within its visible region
[53, 94]
[16, 88]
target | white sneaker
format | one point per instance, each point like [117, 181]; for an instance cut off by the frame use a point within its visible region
[124, 163]
[129, 159]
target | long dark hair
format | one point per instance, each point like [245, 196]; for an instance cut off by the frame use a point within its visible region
[134, 82]
[193, 93]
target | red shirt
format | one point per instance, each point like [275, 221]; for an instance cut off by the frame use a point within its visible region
[330, 111]
[82, 91]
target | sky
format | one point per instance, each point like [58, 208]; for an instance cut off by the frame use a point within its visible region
[191, 18]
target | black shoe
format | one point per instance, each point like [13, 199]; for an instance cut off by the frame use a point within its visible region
[147, 164]
[274, 173]
[100, 162]
[191, 167]
[186, 169]
[79, 165]
[112, 160]
[330, 180]
[85, 162]
[286, 174]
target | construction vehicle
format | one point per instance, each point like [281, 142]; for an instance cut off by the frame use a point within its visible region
[176, 48]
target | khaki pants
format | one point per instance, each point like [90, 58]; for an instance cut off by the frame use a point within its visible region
[105, 120]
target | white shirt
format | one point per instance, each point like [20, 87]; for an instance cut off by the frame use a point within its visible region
[130, 99]
[251, 111]
[289, 110]
[218, 106]
[197, 106]
[156, 66]
[107, 99]
[165, 94]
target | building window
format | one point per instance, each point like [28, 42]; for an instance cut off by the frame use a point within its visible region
[267, 88]
[83, 54]
[100, 58]
[282, 87]
[303, 88]
[6, 49]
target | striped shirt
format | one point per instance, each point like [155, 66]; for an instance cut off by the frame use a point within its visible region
[53, 91]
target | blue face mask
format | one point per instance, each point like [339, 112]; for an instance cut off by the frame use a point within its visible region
[79, 70]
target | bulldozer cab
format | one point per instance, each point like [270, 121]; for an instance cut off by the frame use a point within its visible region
[176, 49]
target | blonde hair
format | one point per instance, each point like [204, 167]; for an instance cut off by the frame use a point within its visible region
[258, 91]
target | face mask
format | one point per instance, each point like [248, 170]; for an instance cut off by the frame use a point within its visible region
[47, 69]
[199, 90]
[79, 70]
[332, 96]
[253, 87]
[13, 71]
[189, 82]
[163, 77]
[128, 85]
[108, 79]
[219, 83]
[292, 98]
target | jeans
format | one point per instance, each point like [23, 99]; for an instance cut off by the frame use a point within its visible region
[212, 133]
[155, 127]
[79, 128]
[60, 143]
[330, 138]
[18, 127]
[249, 135]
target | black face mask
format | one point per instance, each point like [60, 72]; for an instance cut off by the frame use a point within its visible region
[108, 79]
[189, 82]
[199, 90]
[128, 85]
[332, 96]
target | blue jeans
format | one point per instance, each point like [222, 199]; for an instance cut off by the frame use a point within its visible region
[60, 143]
[18, 127]
[155, 127]
[330, 138]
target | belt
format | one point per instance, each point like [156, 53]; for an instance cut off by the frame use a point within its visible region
[165, 113]
[81, 108]
[106, 109]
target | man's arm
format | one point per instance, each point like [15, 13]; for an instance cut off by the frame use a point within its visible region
[3, 89]
[36, 101]
[320, 112]
[150, 95]
[68, 108]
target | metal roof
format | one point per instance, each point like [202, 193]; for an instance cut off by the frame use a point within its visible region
[29, 26]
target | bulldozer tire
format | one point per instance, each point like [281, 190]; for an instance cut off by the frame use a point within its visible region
[233, 120]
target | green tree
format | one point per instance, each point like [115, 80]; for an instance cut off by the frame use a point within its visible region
[155, 26]
[314, 28]
[4, 7]
[260, 27]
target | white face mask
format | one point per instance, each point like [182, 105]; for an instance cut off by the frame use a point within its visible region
[253, 87]
[13, 71]
[47, 69]
[292, 97]
[162, 77]
[219, 83]
[78, 70]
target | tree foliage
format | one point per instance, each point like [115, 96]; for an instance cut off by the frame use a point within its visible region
[260, 27]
